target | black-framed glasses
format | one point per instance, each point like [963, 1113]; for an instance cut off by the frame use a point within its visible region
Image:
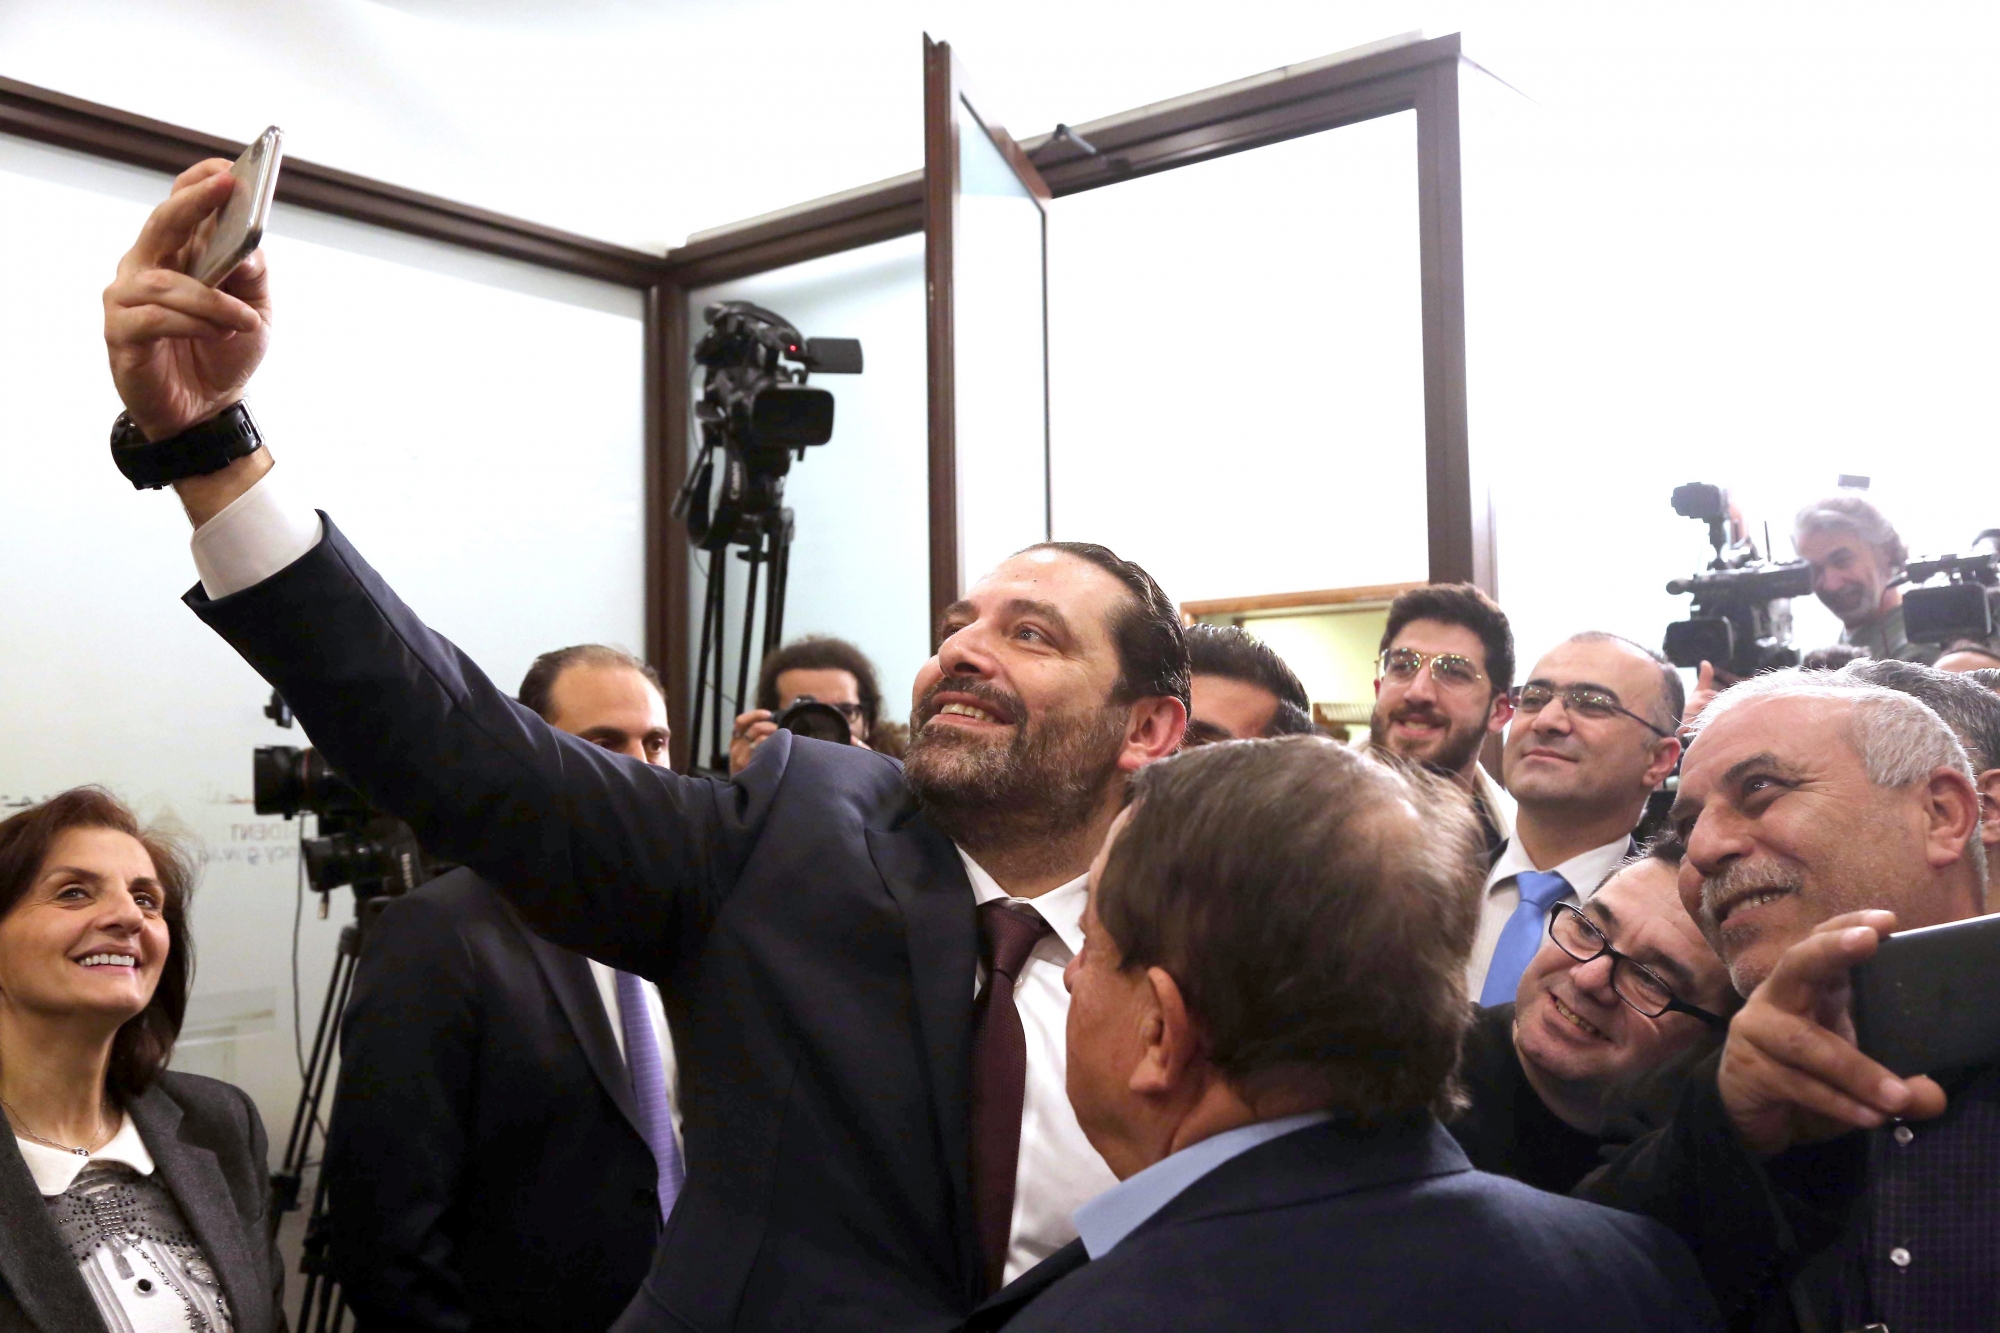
[1453, 671]
[851, 711]
[1583, 700]
[1632, 981]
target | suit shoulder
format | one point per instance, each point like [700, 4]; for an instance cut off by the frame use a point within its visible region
[850, 776]
[207, 1101]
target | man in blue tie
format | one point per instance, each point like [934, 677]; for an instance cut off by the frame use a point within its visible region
[503, 1147]
[1591, 738]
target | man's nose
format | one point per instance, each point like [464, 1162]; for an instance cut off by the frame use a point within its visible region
[967, 652]
[1423, 686]
[1594, 978]
[1553, 716]
[1717, 839]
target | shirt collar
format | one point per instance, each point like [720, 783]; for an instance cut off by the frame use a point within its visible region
[1062, 907]
[1125, 1207]
[1584, 871]
[55, 1170]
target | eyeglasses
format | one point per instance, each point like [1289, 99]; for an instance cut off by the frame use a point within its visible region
[1636, 984]
[1452, 671]
[1583, 700]
[850, 711]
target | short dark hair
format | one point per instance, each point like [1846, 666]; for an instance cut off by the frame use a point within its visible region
[823, 652]
[1987, 676]
[1152, 648]
[1233, 653]
[1970, 709]
[1672, 692]
[538, 686]
[1463, 605]
[143, 1045]
[1316, 906]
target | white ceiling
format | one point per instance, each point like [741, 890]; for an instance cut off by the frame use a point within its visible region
[643, 122]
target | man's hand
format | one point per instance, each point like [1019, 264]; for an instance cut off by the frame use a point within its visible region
[180, 351]
[1705, 690]
[751, 730]
[1790, 1071]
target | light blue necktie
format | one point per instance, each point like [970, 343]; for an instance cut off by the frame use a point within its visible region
[1522, 935]
[649, 1088]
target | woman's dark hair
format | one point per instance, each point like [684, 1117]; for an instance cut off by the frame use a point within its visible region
[820, 652]
[141, 1048]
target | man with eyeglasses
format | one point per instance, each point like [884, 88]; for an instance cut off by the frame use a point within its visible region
[816, 669]
[1621, 987]
[1592, 735]
[1441, 688]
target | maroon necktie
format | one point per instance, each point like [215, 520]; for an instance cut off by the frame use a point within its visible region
[999, 1076]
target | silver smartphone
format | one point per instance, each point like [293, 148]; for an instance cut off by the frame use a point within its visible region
[239, 228]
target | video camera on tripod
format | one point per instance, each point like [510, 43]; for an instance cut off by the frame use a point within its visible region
[357, 844]
[1741, 619]
[1962, 607]
[756, 412]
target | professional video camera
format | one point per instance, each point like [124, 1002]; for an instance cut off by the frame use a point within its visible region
[1741, 619]
[357, 844]
[1960, 608]
[757, 413]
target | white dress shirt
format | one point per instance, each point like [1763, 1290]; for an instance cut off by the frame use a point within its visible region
[264, 530]
[1585, 872]
[1058, 1171]
[607, 990]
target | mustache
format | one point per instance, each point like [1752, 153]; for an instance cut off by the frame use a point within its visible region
[1008, 707]
[1419, 713]
[1742, 879]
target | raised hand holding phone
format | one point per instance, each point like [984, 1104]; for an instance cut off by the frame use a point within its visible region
[182, 351]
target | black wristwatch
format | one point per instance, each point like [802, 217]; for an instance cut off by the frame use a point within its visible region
[207, 446]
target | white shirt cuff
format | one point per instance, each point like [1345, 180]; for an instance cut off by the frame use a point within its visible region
[261, 532]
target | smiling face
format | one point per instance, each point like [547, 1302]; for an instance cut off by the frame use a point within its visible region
[88, 939]
[1848, 575]
[1014, 722]
[1785, 830]
[1441, 727]
[1558, 759]
[1570, 1026]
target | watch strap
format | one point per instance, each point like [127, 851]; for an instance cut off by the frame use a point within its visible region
[205, 447]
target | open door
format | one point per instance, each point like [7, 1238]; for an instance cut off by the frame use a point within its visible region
[986, 270]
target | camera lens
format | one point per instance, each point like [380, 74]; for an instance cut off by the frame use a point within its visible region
[820, 722]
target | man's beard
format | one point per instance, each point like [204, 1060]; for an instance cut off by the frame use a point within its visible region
[1048, 783]
[1454, 753]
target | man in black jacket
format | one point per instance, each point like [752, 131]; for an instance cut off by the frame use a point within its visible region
[1817, 1189]
[1624, 994]
[824, 929]
[488, 1160]
[1259, 1041]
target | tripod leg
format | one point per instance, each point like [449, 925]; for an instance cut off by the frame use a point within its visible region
[719, 722]
[755, 556]
[781, 575]
[709, 625]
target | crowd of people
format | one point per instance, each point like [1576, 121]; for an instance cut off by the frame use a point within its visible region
[1107, 995]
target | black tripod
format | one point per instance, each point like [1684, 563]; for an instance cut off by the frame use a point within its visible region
[322, 1308]
[767, 541]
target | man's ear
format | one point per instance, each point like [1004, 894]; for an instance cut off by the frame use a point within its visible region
[1989, 807]
[1951, 810]
[1170, 1040]
[1665, 757]
[1152, 731]
[1501, 714]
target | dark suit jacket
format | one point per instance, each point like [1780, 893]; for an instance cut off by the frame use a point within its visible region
[813, 936]
[1327, 1228]
[208, 1147]
[484, 1164]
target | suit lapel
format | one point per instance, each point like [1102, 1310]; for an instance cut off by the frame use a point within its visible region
[194, 1177]
[926, 878]
[575, 988]
[34, 1262]
[1007, 1302]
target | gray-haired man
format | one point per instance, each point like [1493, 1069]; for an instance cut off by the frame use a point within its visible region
[1821, 814]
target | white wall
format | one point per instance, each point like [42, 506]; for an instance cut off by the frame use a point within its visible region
[472, 424]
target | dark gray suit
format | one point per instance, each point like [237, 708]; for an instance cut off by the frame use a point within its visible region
[208, 1146]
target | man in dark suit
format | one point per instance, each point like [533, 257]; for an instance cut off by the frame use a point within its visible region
[1259, 1038]
[861, 963]
[489, 1161]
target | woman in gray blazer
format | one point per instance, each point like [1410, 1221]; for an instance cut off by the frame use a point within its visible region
[130, 1197]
